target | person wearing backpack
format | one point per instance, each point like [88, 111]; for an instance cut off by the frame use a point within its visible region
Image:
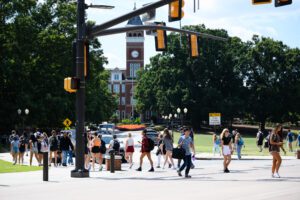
[239, 143]
[147, 147]
[115, 144]
[53, 143]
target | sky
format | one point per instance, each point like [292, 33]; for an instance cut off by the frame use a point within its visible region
[239, 17]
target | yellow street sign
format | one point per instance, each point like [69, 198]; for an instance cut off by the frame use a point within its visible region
[215, 114]
[67, 122]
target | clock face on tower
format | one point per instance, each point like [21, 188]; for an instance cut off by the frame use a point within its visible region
[134, 53]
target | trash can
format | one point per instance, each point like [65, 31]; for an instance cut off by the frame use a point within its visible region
[298, 154]
[118, 162]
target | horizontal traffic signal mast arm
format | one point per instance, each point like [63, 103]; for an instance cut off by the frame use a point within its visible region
[128, 16]
[154, 27]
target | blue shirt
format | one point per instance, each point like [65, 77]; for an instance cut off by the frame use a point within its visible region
[299, 140]
[290, 136]
[185, 144]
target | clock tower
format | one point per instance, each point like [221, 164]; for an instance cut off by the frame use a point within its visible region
[134, 63]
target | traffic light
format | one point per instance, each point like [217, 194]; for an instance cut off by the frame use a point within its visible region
[86, 58]
[279, 3]
[175, 10]
[257, 2]
[71, 84]
[193, 40]
[161, 38]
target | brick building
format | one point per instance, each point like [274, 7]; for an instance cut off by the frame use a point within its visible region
[122, 81]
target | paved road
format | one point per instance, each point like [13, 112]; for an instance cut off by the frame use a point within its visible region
[249, 179]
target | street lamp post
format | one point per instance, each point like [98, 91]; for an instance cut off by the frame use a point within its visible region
[185, 110]
[178, 111]
[26, 111]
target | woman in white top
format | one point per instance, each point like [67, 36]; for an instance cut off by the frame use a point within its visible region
[129, 149]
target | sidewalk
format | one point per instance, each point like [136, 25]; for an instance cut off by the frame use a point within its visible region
[210, 156]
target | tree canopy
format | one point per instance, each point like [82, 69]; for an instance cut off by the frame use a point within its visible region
[35, 57]
[257, 79]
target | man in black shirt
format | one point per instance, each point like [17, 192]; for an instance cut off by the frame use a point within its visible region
[65, 145]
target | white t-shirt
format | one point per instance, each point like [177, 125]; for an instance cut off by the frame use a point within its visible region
[130, 142]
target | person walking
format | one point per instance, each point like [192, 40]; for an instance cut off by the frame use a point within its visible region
[160, 151]
[53, 144]
[259, 140]
[70, 152]
[102, 151]
[216, 144]
[87, 150]
[298, 141]
[145, 151]
[22, 149]
[96, 143]
[168, 142]
[290, 139]
[129, 150]
[274, 149]
[65, 145]
[186, 143]
[239, 143]
[14, 149]
[33, 146]
[227, 150]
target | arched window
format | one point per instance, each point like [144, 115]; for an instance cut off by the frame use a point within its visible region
[129, 35]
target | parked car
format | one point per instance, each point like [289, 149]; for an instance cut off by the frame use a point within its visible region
[107, 138]
[153, 135]
[107, 128]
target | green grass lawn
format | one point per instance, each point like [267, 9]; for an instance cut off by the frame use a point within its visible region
[8, 167]
[204, 144]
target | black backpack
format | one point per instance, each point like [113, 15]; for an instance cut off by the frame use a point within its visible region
[150, 144]
[116, 145]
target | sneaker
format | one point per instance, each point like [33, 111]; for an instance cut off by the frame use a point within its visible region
[226, 170]
[170, 165]
[276, 175]
[192, 166]
[151, 169]
[179, 173]
[139, 169]
[188, 176]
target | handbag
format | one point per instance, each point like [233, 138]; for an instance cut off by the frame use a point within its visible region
[178, 153]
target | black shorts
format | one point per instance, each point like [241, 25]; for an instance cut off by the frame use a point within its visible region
[96, 149]
[52, 148]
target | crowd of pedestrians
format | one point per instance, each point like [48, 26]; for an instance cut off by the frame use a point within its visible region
[60, 148]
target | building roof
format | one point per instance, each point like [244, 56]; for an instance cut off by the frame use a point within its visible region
[135, 20]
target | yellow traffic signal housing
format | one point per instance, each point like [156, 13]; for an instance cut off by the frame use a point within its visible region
[86, 58]
[279, 3]
[71, 84]
[257, 2]
[176, 10]
[161, 38]
[193, 40]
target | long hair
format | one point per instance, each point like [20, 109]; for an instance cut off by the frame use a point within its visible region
[223, 133]
[167, 134]
[278, 130]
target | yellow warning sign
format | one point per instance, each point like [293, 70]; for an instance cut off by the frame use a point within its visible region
[67, 122]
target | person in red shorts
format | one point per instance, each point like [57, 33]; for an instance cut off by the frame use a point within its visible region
[145, 151]
[129, 149]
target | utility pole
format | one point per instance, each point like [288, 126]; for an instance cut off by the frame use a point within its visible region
[80, 170]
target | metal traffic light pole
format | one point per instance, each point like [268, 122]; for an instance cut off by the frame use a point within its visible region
[80, 171]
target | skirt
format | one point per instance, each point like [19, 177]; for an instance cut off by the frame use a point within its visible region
[226, 150]
[96, 149]
[130, 149]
